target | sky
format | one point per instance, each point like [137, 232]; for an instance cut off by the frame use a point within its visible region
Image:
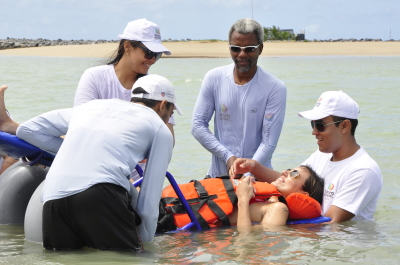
[198, 19]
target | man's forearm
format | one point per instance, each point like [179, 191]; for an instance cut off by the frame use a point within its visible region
[338, 214]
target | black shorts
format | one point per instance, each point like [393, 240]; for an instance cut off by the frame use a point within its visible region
[99, 217]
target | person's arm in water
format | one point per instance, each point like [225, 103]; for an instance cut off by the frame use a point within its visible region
[153, 181]
[260, 172]
[8, 161]
[338, 215]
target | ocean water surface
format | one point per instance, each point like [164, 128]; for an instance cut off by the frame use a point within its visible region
[40, 84]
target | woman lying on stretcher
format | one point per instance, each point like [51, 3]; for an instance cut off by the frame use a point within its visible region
[301, 180]
[296, 194]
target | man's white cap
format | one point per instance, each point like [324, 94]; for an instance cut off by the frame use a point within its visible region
[158, 88]
[335, 103]
[146, 32]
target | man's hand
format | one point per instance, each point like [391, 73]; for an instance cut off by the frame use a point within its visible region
[241, 166]
[245, 190]
[229, 164]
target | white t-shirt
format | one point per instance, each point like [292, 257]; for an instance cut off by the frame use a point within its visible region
[248, 118]
[104, 141]
[353, 184]
[101, 82]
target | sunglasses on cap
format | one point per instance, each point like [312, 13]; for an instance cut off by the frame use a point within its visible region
[148, 54]
[320, 126]
[247, 49]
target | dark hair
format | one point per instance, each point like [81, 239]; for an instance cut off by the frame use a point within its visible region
[314, 185]
[119, 52]
[148, 102]
[353, 122]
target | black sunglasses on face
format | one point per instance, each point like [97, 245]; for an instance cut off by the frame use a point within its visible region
[149, 54]
[320, 126]
[247, 49]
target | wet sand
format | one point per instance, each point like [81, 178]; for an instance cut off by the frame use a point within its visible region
[219, 49]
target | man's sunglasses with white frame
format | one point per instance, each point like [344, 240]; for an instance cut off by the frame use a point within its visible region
[247, 49]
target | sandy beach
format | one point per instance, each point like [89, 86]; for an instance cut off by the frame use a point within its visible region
[219, 49]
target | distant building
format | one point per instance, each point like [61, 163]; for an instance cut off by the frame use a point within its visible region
[301, 35]
[291, 32]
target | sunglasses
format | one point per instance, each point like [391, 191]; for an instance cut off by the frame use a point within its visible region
[149, 54]
[320, 126]
[247, 49]
[294, 174]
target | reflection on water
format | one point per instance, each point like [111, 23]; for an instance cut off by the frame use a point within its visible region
[295, 244]
[39, 84]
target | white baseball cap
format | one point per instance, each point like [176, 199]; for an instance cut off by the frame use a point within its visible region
[335, 103]
[146, 32]
[158, 88]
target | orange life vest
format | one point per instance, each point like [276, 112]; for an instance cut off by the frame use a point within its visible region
[213, 199]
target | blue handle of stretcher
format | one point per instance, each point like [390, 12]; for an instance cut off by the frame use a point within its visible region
[185, 204]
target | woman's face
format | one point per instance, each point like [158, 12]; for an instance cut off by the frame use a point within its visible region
[288, 185]
[136, 61]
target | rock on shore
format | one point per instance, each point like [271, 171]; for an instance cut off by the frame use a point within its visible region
[11, 43]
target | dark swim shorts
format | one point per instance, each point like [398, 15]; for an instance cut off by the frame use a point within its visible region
[100, 217]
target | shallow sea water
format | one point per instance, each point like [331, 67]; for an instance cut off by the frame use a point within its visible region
[39, 84]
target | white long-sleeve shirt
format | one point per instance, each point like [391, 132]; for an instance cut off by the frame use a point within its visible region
[101, 82]
[248, 118]
[104, 141]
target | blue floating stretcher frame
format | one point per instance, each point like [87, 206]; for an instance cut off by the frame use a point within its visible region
[15, 147]
[11, 145]
[195, 223]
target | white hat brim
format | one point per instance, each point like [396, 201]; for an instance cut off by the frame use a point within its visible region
[178, 109]
[156, 47]
[313, 115]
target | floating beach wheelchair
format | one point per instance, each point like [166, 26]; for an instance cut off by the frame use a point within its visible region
[21, 186]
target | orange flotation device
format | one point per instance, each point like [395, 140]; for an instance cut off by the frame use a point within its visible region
[213, 199]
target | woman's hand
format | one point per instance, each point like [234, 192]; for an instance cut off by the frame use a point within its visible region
[245, 189]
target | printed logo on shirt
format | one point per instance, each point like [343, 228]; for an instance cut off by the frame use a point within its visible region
[269, 116]
[328, 193]
[254, 110]
[223, 115]
[318, 102]
[222, 108]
